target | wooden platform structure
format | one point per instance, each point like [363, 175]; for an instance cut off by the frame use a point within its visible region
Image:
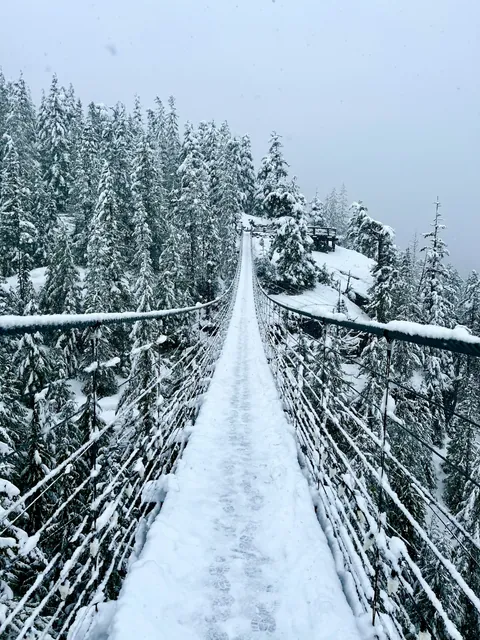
[324, 238]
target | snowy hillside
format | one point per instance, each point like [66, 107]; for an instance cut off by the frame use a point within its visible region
[350, 270]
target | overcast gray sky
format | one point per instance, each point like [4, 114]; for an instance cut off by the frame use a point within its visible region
[383, 95]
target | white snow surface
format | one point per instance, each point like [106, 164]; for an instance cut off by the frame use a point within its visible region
[347, 268]
[236, 553]
[342, 262]
[320, 299]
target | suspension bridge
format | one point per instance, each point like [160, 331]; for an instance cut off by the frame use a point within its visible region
[247, 510]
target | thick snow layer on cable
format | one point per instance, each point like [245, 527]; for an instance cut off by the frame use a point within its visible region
[236, 551]
[17, 323]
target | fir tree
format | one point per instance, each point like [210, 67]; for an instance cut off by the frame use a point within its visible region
[143, 370]
[462, 451]
[192, 207]
[467, 556]
[3, 104]
[34, 465]
[121, 140]
[291, 250]
[21, 126]
[385, 277]
[11, 206]
[228, 203]
[62, 285]
[407, 358]
[172, 150]
[172, 290]
[87, 176]
[105, 286]
[407, 434]
[247, 176]
[470, 311]
[317, 212]
[271, 179]
[438, 579]
[356, 222]
[55, 150]
[157, 135]
[436, 310]
[331, 206]
[341, 222]
[147, 186]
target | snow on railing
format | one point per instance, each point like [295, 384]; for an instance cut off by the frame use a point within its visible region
[14, 325]
[99, 501]
[375, 510]
[458, 340]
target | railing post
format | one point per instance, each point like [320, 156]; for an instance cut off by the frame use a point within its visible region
[381, 495]
[94, 545]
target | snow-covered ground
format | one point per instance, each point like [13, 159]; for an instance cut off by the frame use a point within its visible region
[350, 270]
[236, 551]
[38, 277]
[349, 267]
[322, 298]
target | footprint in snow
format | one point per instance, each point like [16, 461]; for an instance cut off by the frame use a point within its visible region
[218, 570]
[221, 583]
[257, 502]
[215, 634]
[263, 621]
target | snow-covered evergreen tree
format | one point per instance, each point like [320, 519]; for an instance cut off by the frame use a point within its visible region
[62, 284]
[467, 556]
[271, 180]
[317, 212]
[247, 176]
[147, 186]
[193, 207]
[55, 155]
[228, 207]
[385, 277]
[438, 579]
[172, 152]
[21, 126]
[437, 310]
[330, 207]
[143, 369]
[17, 231]
[462, 450]
[356, 223]
[120, 141]
[106, 288]
[87, 176]
[341, 221]
[291, 248]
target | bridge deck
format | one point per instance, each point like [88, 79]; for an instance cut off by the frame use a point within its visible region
[236, 552]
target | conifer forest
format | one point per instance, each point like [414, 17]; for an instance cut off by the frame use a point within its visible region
[106, 210]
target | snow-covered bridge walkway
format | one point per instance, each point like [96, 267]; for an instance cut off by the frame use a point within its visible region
[236, 551]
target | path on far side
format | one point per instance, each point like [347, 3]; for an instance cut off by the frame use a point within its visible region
[236, 552]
